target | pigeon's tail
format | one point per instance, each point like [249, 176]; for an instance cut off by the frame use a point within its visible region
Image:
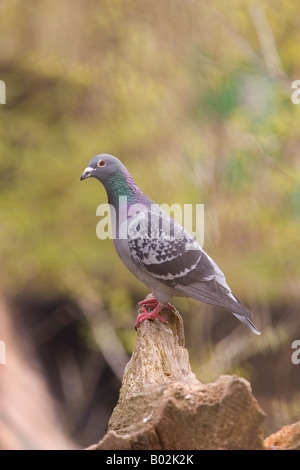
[214, 293]
[247, 323]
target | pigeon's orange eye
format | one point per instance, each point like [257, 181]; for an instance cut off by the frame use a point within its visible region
[101, 163]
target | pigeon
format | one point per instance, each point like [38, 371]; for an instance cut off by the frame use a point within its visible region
[158, 250]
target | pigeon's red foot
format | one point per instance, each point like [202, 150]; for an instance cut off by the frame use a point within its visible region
[151, 314]
[152, 302]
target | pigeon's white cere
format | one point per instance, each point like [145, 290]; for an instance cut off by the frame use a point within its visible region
[88, 169]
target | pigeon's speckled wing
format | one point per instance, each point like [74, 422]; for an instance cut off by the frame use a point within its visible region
[163, 249]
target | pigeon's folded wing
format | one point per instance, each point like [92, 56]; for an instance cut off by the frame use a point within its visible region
[163, 248]
[172, 256]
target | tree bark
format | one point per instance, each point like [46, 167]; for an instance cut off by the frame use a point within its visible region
[162, 406]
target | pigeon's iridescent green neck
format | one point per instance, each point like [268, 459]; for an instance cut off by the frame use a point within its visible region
[122, 184]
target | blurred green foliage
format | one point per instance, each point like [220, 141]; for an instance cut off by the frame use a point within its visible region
[195, 99]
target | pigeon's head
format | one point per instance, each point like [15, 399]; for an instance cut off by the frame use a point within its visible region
[102, 167]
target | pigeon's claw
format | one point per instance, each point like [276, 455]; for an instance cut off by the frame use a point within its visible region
[150, 315]
[152, 302]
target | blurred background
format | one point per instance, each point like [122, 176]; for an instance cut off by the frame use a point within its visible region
[195, 98]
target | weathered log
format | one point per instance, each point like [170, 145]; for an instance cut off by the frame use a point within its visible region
[162, 406]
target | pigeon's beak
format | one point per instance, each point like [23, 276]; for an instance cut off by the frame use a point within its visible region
[87, 173]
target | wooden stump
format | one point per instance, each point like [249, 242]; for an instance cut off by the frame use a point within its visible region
[162, 406]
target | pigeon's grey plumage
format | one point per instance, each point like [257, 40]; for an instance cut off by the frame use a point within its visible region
[157, 250]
